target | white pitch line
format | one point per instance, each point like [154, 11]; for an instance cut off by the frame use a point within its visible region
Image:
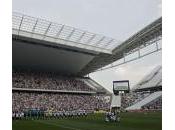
[58, 125]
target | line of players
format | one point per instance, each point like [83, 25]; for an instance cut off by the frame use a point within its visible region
[50, 115]
[113, 115]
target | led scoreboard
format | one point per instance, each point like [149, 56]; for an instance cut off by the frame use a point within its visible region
[122, 85]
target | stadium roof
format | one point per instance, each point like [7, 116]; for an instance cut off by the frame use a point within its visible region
[41, 29]
[43, 45]
[144, 37]
[151, 80]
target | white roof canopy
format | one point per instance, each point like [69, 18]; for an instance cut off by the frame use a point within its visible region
[41, 29]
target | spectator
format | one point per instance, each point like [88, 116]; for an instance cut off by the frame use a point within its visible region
[52, 81]
[57, 102]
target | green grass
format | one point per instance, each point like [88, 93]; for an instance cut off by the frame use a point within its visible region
[129, 121]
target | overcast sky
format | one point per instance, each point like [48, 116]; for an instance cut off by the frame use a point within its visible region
[114, 18]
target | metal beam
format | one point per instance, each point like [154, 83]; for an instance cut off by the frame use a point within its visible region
[78, 40]
[107, 44]
[33, 29]
[20, 24]
[140, 56]
[46, 30]
[68, 37]
[57, 35]
[93, 36]
[100, 40]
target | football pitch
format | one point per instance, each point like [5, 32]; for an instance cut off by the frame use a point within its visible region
[129, 121]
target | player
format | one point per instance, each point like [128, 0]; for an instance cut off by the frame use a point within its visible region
[13, 115]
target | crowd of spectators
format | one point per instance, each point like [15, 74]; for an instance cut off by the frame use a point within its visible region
[57, 102]
[131, 98]
[36, 80]
[22, 101]
[154, 105]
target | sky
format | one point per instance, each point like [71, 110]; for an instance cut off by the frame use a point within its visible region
[118, 19]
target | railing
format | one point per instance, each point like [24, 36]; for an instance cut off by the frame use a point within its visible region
[53, 91]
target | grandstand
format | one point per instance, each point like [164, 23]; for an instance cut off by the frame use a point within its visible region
[151, 81]
[146, 93]
[45, 88]
[51, 63]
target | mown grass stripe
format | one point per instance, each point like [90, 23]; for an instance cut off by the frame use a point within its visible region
[66, 127]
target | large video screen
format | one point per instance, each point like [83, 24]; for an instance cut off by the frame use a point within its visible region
[122, 85]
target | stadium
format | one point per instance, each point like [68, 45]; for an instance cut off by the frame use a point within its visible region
[51, 88]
